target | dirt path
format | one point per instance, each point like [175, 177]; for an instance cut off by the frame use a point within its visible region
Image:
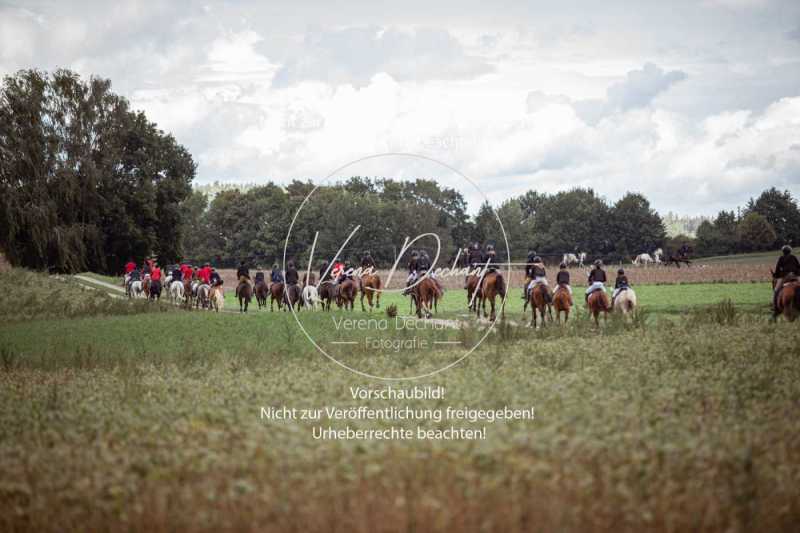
[100, 283]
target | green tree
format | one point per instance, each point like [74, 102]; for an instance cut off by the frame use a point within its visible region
[85, 183]
[635, 227]
[755, 233]
[781, 211]
[718, 237]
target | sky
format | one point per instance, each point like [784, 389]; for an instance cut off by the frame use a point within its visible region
[695, 104]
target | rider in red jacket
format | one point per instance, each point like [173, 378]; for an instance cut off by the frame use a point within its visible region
[130, 267]
[204, 274]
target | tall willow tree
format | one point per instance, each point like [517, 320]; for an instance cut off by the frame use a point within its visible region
[85, 182]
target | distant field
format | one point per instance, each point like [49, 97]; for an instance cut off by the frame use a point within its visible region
[769, 258]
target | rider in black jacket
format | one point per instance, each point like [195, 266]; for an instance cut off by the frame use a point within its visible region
[786, 269]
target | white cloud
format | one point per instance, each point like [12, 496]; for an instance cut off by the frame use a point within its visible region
[697, 116]
[354, 55]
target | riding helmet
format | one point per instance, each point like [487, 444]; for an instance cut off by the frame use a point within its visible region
[537, 259]
[787, 249]
[598, 263]
[621, 272]
[562, 265]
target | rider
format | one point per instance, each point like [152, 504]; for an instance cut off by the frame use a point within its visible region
[259, 277]
[367, 261]
[562, 281]
[683, 251]
[620, 284]
[243, 275]
[528, 273]
[424, 264]
[292, 277]
[597, 279]
[205, 274]
[130, 266]
[345, 272]
[413, 266]
[155, 274]
[474, 260]
[490, 258]
[787, 268]
[134, 275]
[276, 276]
[337, 271]
[323, 276]
[215, 278]
[538, 275]
[177, 274]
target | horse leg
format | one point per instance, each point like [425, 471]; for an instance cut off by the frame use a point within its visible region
[362, 301]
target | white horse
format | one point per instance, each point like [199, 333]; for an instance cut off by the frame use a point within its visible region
[573, 259]
[203, 293]
[625, 302]
[176, 291]
[570, 259]
[217, 298]
[310, 297]
[136, 290]
[642, 260]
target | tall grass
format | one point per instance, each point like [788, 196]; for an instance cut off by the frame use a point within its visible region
[30, 295]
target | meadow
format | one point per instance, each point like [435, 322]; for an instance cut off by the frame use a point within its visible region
[129, 416]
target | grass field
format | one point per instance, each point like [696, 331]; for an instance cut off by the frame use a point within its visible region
[139, 417]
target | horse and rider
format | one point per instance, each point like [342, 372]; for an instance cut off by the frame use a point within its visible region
[369, 284]
[596, 297]
[786, 285]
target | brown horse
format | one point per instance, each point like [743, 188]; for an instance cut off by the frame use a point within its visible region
[562, 302]
[146, 286]
[493, 286]
[788, 300]
[187, 293]
[327, 293]
[425, 294]
[597, 303]
[262, 291]
[292, 296]
[245, 293]
[346, 293]
[472, 286]
[276, 295]
[540, 303]
[677, 260]
[370, 285]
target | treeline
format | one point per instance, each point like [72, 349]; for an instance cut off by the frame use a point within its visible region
[85, 183]
[766, 223]
[252, 224]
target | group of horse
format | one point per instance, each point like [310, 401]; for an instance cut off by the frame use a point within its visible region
[146, 288]
[186, 293]
[659, 259]
[483, 290]
[311, 295]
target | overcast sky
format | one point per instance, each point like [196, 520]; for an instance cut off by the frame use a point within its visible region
[695, 104]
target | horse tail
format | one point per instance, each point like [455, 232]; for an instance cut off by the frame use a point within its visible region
[500, 285]
[796, 299]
